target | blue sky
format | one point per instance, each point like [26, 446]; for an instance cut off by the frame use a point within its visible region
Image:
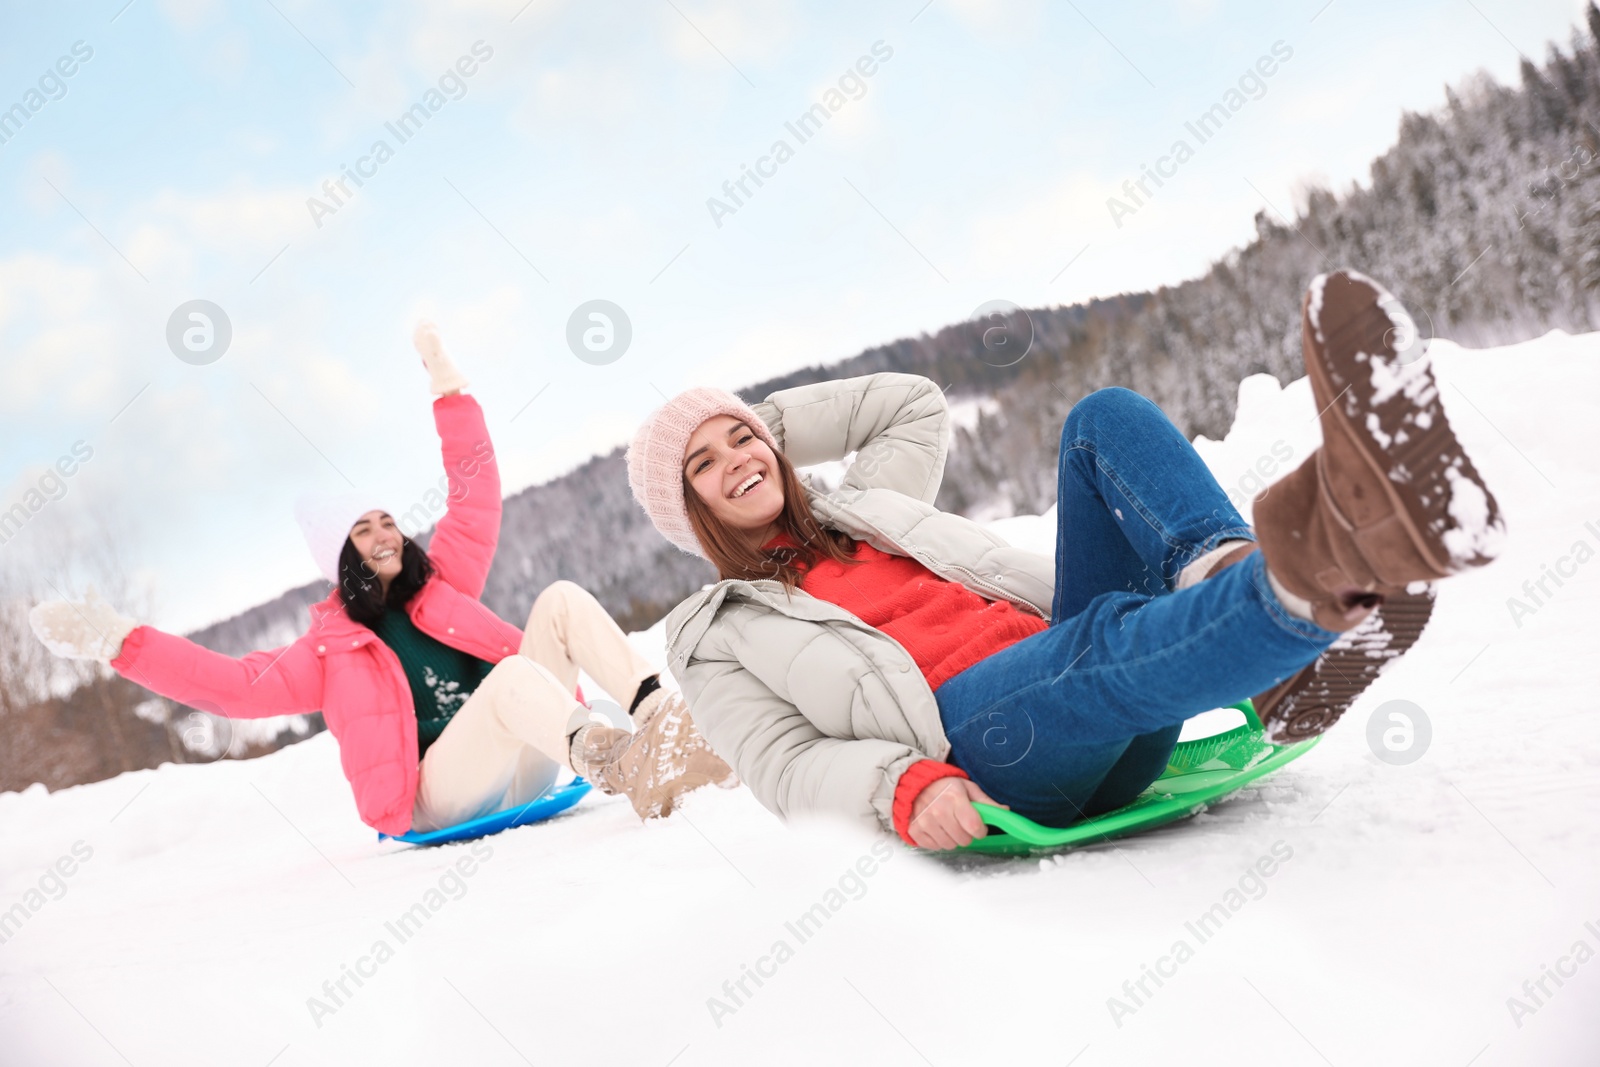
[575, 163]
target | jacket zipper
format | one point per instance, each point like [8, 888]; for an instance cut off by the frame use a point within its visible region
[980, 580]
[672, 639]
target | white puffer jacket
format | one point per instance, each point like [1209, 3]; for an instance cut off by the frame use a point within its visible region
[818, 712]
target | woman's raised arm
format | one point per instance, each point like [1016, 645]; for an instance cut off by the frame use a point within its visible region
[464, 541]
[897, 424]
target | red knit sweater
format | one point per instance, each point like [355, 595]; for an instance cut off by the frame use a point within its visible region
[944, 625]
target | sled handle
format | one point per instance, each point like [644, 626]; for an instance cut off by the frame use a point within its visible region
[1248, 706]
[1018, 826]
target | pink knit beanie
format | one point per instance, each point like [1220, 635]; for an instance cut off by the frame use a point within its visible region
[655, 459]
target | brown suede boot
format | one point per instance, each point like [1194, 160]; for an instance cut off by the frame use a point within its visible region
[1312, 699]
[1308, 551]
[664, 758]
[1390, 498]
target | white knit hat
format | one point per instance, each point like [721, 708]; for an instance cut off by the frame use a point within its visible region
[325, 519]
[655, 459]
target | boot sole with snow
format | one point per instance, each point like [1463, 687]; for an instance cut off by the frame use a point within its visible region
[1309, 702]
[1387, 403]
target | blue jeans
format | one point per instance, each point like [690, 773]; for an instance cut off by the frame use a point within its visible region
[1077, 720]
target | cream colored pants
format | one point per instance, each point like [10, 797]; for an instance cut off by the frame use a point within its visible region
[509, 740]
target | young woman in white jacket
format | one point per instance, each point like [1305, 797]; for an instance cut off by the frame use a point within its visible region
[867, 655]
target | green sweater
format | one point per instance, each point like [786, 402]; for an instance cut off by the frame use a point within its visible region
[441, 677]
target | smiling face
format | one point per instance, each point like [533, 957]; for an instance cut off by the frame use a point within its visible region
[735, 474]
[379, 541]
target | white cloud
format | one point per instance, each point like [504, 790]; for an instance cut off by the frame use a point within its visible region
[476, 328]
[711, 35]
[52, 311]
[1002, 19]
[1194, 12]
[1046, 228]
[584, 97]
[187, 14]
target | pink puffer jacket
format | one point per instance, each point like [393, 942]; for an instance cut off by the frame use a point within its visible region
[340, 667]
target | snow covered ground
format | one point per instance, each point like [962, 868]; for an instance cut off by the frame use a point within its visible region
[1361, 912]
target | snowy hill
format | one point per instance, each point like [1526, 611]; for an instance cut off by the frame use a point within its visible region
[1348, 911]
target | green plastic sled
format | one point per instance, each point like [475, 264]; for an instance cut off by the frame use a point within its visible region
[1199, 773]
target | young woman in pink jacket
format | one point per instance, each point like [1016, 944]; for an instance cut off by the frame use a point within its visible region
[443, 711]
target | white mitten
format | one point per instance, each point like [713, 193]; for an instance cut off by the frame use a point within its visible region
[446, 379]
[88, 630]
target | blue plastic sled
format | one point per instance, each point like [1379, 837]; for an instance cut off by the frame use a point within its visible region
[552, 803]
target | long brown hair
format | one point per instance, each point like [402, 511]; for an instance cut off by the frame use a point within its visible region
[735, 557]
